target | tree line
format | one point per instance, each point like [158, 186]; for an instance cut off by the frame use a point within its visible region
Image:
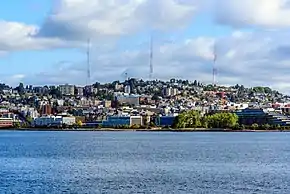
[194, 119]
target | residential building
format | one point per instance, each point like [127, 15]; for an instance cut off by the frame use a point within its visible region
[170, 92]
[107, 103]
[91, 89]
[29, 112]
[46, 109]
[80, 91]
[118, 87]
[38, 90]
[127, 89]
[67, 89]
[128, 99]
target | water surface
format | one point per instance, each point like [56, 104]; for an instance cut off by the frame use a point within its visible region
[144, 162]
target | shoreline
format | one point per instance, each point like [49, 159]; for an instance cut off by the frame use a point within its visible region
[141, 130]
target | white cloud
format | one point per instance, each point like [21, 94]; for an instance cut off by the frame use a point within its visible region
[264, 13]
[250, 58]
[260, 58]
[80, 19]
[19, 36]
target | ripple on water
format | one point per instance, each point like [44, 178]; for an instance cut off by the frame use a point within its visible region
[109, 162]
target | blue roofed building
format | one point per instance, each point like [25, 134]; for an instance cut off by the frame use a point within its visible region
[261, 116]
[116, 120]
[165, 120]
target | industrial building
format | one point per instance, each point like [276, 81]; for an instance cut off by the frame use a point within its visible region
[50, 120]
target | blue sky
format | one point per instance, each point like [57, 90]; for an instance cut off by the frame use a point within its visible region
[39, 35]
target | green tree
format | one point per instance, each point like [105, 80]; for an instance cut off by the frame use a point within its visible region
[204, 122]
[189, 119]
[21, 89]
[64, 126]
[29, 119]
[236, 127]
[267, 90]
[259, 89]
[278, 126]
[155, 97]
[55, 92]
[16, 125]
[222, 120]
[193, 119]
[254, 126]
[79, 123]
[266, 126]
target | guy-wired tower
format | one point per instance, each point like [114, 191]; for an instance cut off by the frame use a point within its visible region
[151, 58]
[88, 81]
[214, 68]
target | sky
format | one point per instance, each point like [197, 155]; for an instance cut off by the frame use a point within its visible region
[44, 42]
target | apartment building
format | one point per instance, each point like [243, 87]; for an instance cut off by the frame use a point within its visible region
[67, 89]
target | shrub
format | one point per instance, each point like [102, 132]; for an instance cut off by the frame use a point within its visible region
[266, 127]
[254, 126]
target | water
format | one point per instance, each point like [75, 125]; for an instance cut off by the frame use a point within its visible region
[144, 162]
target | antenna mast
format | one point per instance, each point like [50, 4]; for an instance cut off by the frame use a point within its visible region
[214, 69]
[151, 58]
[126, 76]
[88, 63]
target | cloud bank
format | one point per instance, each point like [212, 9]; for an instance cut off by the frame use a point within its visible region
[246, 56]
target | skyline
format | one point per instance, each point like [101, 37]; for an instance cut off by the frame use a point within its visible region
[44, 43]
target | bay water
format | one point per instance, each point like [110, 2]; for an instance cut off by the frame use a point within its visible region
[144, 162]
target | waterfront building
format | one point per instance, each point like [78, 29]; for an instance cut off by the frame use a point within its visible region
[136, 120]
[115, 121]
[261, 116]
[250, 116]
[6, 122]
[54, 121]
[165, 121]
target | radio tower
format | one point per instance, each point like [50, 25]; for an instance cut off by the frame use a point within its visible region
[214, 69]
[126, 76]
[151, 58]
[88, 82]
